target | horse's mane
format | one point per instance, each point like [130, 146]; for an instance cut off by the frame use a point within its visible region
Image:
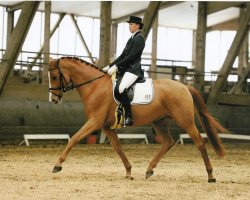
[84, 61]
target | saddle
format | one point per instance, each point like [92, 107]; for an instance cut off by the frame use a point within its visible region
[141, 92]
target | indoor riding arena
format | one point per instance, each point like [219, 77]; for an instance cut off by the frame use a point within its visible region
[62, 133]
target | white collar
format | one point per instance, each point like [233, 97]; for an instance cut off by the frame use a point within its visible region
[133, 34]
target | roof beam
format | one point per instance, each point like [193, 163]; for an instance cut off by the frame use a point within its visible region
[15, 7]
[216, 89]
[213, 7]
[149, 17]
[16, 40]
[163, 5]
[228, 25]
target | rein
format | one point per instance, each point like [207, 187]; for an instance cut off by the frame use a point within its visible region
[71, 87]
[68, 87]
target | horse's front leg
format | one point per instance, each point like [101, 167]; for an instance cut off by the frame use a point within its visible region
[89, 127]
[114, 140]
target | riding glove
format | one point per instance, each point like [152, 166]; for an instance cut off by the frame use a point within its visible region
[105, 69]
[112, 70]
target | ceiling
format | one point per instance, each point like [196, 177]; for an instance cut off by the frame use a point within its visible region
[181, 15]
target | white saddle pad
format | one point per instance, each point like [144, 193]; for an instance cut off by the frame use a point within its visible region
[143, 92]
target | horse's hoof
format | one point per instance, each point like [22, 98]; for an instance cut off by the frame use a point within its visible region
[56, 169]
[211, 180]
[129, 178]
[149, 173]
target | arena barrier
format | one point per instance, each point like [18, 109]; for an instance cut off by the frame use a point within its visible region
[221, 135]
[43, 137]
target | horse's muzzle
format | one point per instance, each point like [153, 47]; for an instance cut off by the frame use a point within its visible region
[55, 99]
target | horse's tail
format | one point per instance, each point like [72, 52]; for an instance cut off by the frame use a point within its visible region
[210, 125]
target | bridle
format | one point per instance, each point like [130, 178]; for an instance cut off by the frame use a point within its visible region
[64, 88]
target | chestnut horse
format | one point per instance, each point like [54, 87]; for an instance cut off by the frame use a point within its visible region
[172, 101]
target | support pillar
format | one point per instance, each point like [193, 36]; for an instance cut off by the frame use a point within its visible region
[243, 68]
[10, 25]
[194, 49]
[230, 58]
[17, 39]
[149, 17]
[105, 34]
[237, 88]
[46, 49]
[200, 47]
[243, 54]
[113, 41]
[153, 67]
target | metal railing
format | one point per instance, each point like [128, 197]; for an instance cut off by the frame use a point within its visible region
[209, 77]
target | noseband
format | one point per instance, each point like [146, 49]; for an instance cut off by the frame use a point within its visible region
[64, 88]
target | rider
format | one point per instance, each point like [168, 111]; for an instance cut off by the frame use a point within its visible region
[128, 65]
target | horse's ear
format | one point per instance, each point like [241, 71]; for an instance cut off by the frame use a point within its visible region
[50, 60]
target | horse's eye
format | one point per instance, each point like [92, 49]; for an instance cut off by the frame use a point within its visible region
[54, 78]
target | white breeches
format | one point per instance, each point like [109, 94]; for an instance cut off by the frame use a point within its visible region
[127, 80]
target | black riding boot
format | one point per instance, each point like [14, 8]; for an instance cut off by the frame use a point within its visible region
[126, 104]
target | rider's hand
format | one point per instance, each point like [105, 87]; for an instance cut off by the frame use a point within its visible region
[105, 69]
[112, 70]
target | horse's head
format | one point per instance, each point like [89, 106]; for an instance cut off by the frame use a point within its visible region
[57, 81]
[61, 72]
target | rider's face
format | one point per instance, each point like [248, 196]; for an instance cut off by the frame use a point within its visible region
[133, 27]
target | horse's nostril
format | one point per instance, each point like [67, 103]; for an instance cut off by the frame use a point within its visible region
[54, 101]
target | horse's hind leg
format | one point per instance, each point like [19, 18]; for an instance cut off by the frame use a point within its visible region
[199, 142]
[161, 128]
[114, 140]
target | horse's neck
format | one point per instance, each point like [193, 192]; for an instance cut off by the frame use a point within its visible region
[82, 72]
[85, 73]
